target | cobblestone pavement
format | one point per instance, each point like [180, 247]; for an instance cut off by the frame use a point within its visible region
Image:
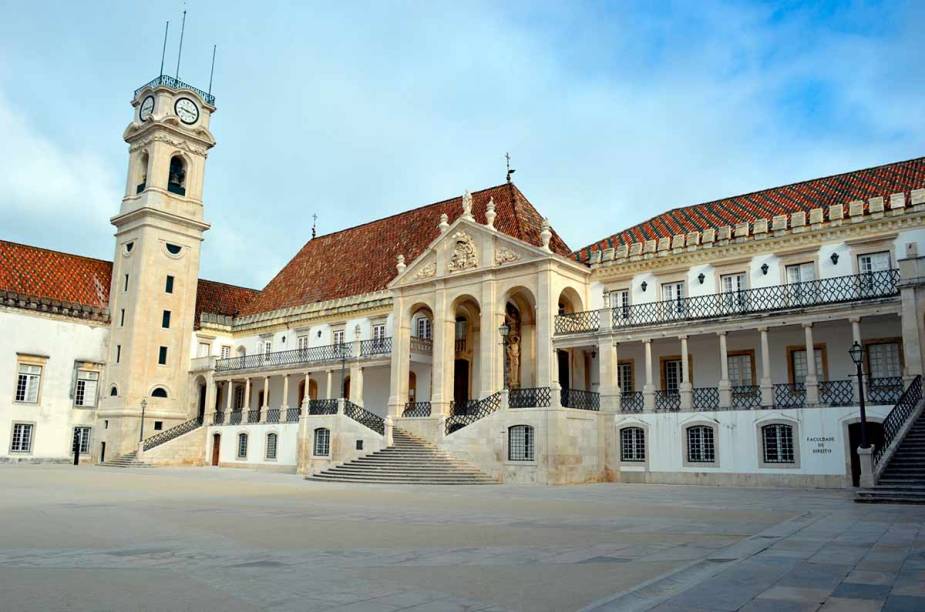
[92, 538]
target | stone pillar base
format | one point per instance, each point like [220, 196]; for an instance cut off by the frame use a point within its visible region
[725, 394]
[866, 457]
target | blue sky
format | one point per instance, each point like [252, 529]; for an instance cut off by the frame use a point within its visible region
[613, 112]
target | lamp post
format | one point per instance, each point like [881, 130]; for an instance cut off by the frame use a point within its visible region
[857, 356]
[505, 330]
[141, 434]
[343, 370]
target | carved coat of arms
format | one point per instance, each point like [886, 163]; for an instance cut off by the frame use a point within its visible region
[464, 255]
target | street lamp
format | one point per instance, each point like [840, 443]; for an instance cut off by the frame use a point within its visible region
[505, 330]
[857, 356]
[141, 435]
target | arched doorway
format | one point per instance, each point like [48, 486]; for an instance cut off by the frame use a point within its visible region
[466, 315]
[569, 302]
[519, 348]
[874, 437]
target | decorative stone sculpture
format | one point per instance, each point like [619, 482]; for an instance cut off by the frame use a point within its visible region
[464, 255]
[427, 270]
[546, 234]
[467, 206]
[444, 223]
[490, 214]
[401, 264]
[505, 255]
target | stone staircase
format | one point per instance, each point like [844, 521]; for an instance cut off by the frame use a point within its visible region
[126, 461]
[903, 480]
[409, 460]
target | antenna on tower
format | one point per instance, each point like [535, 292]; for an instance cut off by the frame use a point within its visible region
[180, 50]
[507, 158]
[314, 225]
[212, 71]
[164, 50]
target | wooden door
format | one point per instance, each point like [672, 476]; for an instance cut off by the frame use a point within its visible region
[216, 446]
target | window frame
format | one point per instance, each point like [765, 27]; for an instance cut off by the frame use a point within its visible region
[242, 438]
[339, 337]
[634, 458]
[266, 446]
[30, 363]
[169, 283]
[425, 324]
[796, 348]
[631, 366]
[750, 353]
[32, 427]
[687, 460]
[898, 341]
[795, 444]
[85, 445]
[162, 355]
[528, 446]
[317, 440]
[620, 301]
[77, 387]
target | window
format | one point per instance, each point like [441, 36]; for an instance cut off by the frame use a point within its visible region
[424, 328]
[874, 262]
[118, 353]
[777, 440]
[168, 285]
[798, 365]
[238, 398]
[671, 375]
[732, 287]
[625, 376]
[125, 283]
[674, 292]
[162, 355]
[173, 249]
[242, 446]
[81, 440]
[884, 360]
[267, 347]
[204, 349]
[322, 442]
[271, 446]
[113, 391]
[379, 333]
[85, 389]
[21, 441]
[176, 178]
[28, 382]
[802, 273]
[159, 392]
[741, 372]
[158, 425]
[165, 319]
[302, 344]
[632, 444]
[520, 443]
[700, 446]
[226, 351]
[620, 302]
[338, 336]
[122, 318]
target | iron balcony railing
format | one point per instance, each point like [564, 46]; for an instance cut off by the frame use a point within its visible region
[292, 415]
[631, 401]
[898, 416]
[218, 418]
[667, 400]
[322, 406]
[580, 400]
[253, 415]
[416, 409]
[234, 418]
[530, 397]
[376, 347]
[471, 412]
[173, 432]
[272, 415]
[837, 290]
[315, 354]
[169, 81]
[364, 417]
[884, 390]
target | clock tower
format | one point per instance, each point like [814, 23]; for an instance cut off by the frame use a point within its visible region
[159, 231]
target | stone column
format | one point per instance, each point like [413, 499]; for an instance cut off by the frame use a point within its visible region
[856, 337]
[441, 393]
[648, 389]
[306, 398]
[356, 385]
[912, 270]
[725, 389]
[607, 374]
[547, 366]
[767, 387]
[812, 380]
[228, 400]
[264, 408]
[284, 405]
[490, 347]
[329, 391]
[247, 400]
[686, 389]
[400, 359]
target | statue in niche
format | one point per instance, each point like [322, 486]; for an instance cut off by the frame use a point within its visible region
[464, 256]
[512, 319]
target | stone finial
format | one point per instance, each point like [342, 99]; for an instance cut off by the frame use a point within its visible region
[444, 223]
[400, 265]
[467, 206]
[546, 234]
[490, 214]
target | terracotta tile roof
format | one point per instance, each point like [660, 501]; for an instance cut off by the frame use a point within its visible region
[362, 259]
[41, 273]
[53, 275]
[817, 193]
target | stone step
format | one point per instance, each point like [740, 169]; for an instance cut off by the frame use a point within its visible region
[414, 481]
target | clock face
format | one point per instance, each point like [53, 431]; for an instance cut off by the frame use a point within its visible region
[147, 108]
[186, 110]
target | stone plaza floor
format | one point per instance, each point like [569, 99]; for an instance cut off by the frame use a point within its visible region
[93, 538]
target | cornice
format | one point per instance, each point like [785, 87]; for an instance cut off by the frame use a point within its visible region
[54, 308]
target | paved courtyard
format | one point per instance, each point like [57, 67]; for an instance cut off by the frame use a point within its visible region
[94, 538]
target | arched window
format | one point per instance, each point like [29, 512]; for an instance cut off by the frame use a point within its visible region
[271, 446]
[176, 178]
[322, 446]
[242, 446]
[113, 391]
[700, 444]
[777, 439]
[520, 443]
[159, 392]
[632, 444]
[142, 172]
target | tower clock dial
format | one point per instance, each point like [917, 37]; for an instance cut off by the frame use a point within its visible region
[186, 110]
[147, 108]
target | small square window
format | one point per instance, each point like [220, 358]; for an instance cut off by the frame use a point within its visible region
[125, 283]
[158, 425]
[359, 444]
[169, 286]
[118, 353]
[162, 356]
[165, 319]
[122, 318]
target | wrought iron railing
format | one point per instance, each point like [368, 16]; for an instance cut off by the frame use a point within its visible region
[745, 397]
[578, 322]
[364, 417]
[530, 397]
[705, 398]
[787, 395]
[292, 415]
[898, 416]
[272, 415]
[322, 406]
[424, 346]
[235, 417]
[836, 393]
[173, 432]
[580, 399]
[315, 354]
[669, 401]
[459, 345]
[631, 402]
[253, 415]
[169, 81]
[416, 409]
[883, 390]
[218, 417]
[472, 412]
[376, 347]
